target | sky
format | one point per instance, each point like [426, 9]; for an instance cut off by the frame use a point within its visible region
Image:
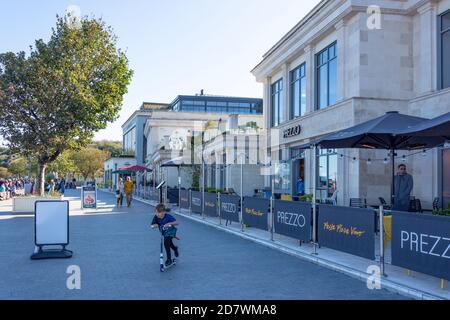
[175, 47]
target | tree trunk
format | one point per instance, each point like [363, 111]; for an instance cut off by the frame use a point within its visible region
[41, 179]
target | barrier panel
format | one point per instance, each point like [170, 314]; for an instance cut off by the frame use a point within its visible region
[255, 213]
[421, 243]
[293, 219]
[347, 229]
[184, 199]
[154, 194]
[229, 207]
[196, 202]
[173, 195]
[210, 204]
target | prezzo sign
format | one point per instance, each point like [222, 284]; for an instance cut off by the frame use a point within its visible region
[293, 219]
[196, 202]
[347, 229]
[292, 132]
[421, 243]
[229, 207]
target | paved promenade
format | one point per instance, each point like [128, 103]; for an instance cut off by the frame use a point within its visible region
[119, 259]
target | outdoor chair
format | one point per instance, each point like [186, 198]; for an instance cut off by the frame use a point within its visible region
[358, 203]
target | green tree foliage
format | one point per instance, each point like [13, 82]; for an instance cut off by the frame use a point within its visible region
[4, 173]
[64, 164]
[63, 92]
[89, 162]
[114, 148]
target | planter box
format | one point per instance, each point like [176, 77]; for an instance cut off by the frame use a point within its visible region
[26, 204]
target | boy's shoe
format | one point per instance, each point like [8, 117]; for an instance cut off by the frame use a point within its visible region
[176, 252]
[168, 262]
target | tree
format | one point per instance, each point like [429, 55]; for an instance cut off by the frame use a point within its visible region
[64, 164]
[62, 93]
[89, 161]
[114, 148]
[4, 173]
[19, 167]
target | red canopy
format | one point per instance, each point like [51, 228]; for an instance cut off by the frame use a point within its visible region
[135, 168]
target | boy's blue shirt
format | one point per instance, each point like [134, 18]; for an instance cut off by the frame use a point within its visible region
[167, 219]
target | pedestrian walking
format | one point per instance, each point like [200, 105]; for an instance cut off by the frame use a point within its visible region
[128, 188]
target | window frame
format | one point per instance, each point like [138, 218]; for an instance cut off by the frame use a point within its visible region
[292, 84]
[440, 34]
[277, 94]
[318, 65]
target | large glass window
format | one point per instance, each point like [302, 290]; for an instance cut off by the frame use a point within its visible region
[277, 103]
[129, 141]
[326, 65]
[298, 92]
[445, 50]
[282, 176]
[327, 172]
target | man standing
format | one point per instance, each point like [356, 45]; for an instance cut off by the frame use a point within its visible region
[403, 185]
[129, 187]
[300, 187]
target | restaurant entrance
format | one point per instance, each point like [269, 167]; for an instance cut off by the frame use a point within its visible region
[298, 172]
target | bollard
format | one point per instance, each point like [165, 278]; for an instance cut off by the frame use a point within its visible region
[381, 213]
[271, 219]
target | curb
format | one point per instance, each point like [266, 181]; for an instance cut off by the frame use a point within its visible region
[356, 274]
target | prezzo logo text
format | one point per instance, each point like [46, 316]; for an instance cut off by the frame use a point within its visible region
[196, 202]
[426, 244]
[292, 219]
[229, 207]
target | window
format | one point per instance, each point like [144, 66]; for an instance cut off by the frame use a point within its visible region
[326, 65]
[327, 172]
[298, 92]
[444, 52]
[129, 141]
[277, 103]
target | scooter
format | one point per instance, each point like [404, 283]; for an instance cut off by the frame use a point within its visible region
[162, 266]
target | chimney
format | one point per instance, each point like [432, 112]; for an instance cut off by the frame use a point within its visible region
[201, 92]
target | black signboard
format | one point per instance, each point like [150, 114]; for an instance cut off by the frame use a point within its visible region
[173, 195]
[184, 199]
[347, 229]
[421, 243]
[293, 219]
[211, 204]
[196, 202]
[229, 207]
[255, 212]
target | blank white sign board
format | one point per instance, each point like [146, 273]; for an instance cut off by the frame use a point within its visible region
[52, 223]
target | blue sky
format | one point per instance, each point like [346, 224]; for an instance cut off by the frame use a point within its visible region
[174, 47]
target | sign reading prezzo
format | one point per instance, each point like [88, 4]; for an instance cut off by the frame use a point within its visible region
[229, 207]
[196, 202]
[255, 212]
[421, 243]
[347, 229]
[211, 204]
[184, 199]
[293, 219]
[292, 132]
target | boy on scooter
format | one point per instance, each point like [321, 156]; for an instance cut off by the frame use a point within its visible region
[166, 223]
